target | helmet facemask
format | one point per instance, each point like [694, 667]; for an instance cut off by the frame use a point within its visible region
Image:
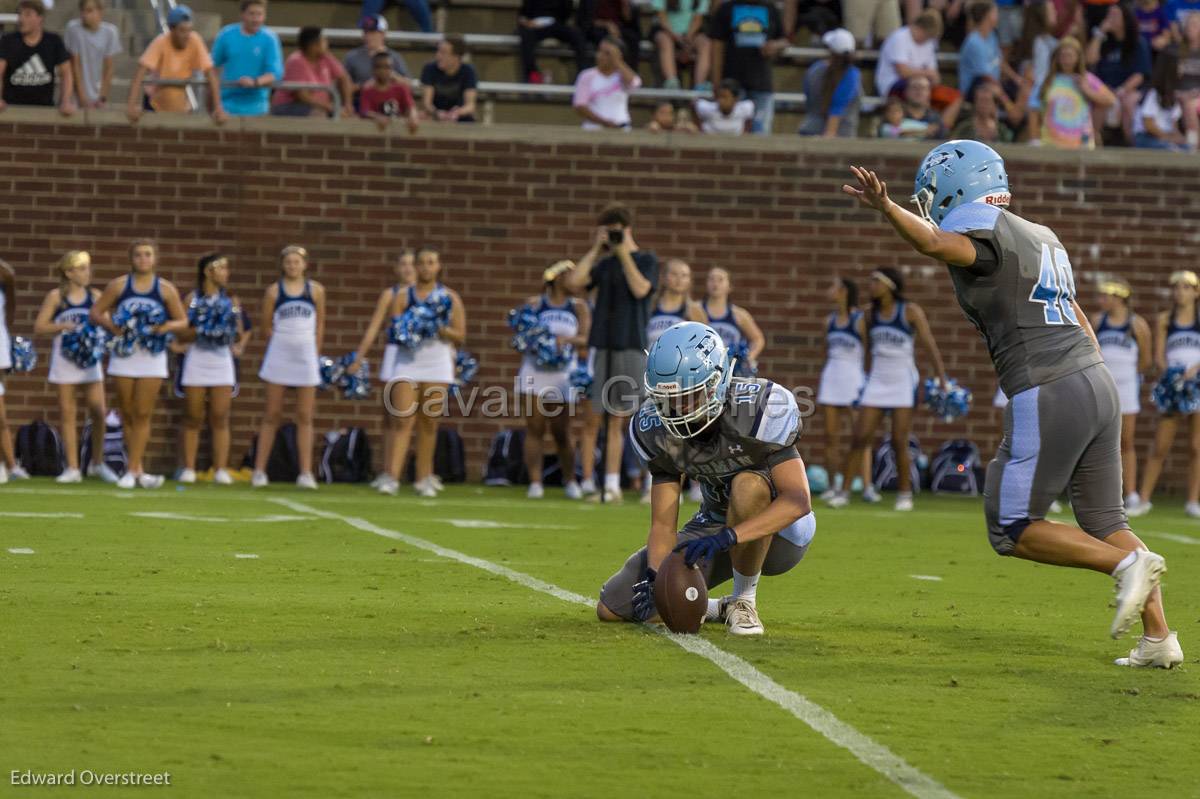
[687, 412]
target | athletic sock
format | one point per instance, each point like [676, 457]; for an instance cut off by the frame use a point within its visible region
[904, 495]
[714, 610]
[745, 586]
[612, 481]
[1125, 563]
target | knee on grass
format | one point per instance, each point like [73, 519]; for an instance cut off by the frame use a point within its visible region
[604, 614]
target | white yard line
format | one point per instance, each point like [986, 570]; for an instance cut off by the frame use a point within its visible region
[183, 517]
[872, 754]
[933, 578]
[488, 524]
[21, 551]
[1176, 537]
[17, 514]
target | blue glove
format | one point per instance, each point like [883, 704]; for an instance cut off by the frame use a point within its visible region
[643, 597]
[699, 549]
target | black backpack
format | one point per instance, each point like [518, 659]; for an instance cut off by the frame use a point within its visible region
[506, 459]
[39, 449]
[449, 458]
[114, 456]
[955, 468]
[284, 464]
[884, 474]
[347, 457]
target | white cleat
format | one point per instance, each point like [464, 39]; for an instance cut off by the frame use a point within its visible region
[69, 476]
[1134, 584]
[222, 477]
[536, 491]
[573, 491]
[306, 482]
[741, 617]
[1192, 509]
[150, 481]
[186, 476]
[1164, 654]
[18, 473]
[127, 481]
[903, 503]
[259, 480]
[1140, 509]
[871, 494]
[103, 471]
[839, 500]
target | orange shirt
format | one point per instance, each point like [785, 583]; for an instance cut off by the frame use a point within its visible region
[167, 61]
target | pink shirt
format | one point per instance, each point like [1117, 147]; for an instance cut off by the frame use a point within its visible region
[605, 95]
[298, 69]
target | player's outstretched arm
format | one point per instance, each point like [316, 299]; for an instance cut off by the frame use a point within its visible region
[924, 236]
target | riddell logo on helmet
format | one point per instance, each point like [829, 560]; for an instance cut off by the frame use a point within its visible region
[998, 199]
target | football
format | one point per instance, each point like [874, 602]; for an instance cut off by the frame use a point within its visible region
[680, 595]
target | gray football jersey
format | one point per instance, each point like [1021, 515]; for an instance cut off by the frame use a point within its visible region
[756, 431]
[1022, 305]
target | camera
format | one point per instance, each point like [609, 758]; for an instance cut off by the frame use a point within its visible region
[615, 237]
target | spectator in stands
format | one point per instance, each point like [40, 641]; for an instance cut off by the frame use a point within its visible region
[546, 19]
[917, 94]
[675, 36]
[979, 56]
[1156, 125]
[833, 87]
[1154, 23]
[92, 43]
[312, 63]
[418, 9]
[602, 92]
[360, 62]
[1121, 58]
[600, 19]
[1068, 96]
[1178, 11]
[1032, 53]
[1068, 19]
[1009, 23]
[952, 13]
[894, 124]
[911, 52]
[747, 36]
[728, 114]
[34, 62]
[386, 97]
[450, 84]
[250, 56]
[871, 21]
[667, 118]
[1188, 86]
[177, 54]
[986, 123]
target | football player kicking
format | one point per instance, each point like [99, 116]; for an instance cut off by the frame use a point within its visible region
[1062, 427]
[737, 437]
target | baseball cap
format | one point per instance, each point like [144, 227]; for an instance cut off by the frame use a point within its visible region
[178, 15]
[373, 22]
[839, 41]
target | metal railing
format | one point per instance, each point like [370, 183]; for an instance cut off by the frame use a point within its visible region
[286, 85]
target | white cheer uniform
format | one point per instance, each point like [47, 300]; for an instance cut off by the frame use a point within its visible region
[1183, 343]
[1120, 350]
[291, 357]
[64, 371]
[431, 361]
[552, 385]
[5, 342]
[893, 380]
[842, 377]
[141, 362]
[205, 366]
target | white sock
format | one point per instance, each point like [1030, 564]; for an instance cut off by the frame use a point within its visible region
[612, 481]
[714, 610]
[1125, 563]
[904, 495]
[745, 586]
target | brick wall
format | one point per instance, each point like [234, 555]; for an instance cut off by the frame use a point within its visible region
[503, 202]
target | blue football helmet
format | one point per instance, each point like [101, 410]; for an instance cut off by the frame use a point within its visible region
[687, 377]
[958, 172]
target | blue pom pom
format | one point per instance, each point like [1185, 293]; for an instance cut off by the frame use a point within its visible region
[949, 402]
[531, 338]
[581, 377]
[336, 374]
[85, 345]
[740, 355]
[215, 321]
[1173, 393]
[24, 357]
[137, 324]
[465, 367]
[420, 321]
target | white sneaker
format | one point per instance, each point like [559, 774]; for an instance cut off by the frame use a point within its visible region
[871, 494]
[695, 494]
[18, 473]
[1134, 584]
[904, 503]
[259, 480]
[70, 476]
[1133, 500]
[1192, 509]
[425, 489]
[573, 491]
[222, 477]
[828, 494]
[839, 500]
[536, 491]
[127, 481]
[379, 480]
[742, 618]
[587, 486]
[436, 482]
[187, 476]
[150, 480]
[103, 471]
[1141, 509]
[388, 486]
[306, 482]
[1164, 654]
[1055, 507]
[610, 495]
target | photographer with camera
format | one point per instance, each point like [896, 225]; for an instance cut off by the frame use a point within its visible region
[623, 278]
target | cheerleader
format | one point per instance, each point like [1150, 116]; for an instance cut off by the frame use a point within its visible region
[421, 378]
[842, 377]
[547, 393]
[8, 306]
[406, 275]
[735, 325]
[210, 373]
[293, 312]
[892, 382]
[1125, 343]
[673, 303]
[63, 310]
[1176, 343]
[139, 374]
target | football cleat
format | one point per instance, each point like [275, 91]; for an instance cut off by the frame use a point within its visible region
[1164, 654]
[741, 617]
[1134, 584]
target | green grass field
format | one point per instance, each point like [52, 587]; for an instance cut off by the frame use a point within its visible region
[341, 662]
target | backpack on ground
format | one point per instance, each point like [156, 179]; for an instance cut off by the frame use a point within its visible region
[114, 455]
[284, 464]
[505, 463]
[884, 473]
[346, 458]
[449, 459]
[39, 449]
[955, 467]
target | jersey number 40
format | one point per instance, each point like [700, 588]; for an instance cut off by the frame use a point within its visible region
[1055, 289]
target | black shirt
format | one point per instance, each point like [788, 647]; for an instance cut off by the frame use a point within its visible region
[29, 77]
[745, 26]
[448, 90]
[561, 10]
[619, 321]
